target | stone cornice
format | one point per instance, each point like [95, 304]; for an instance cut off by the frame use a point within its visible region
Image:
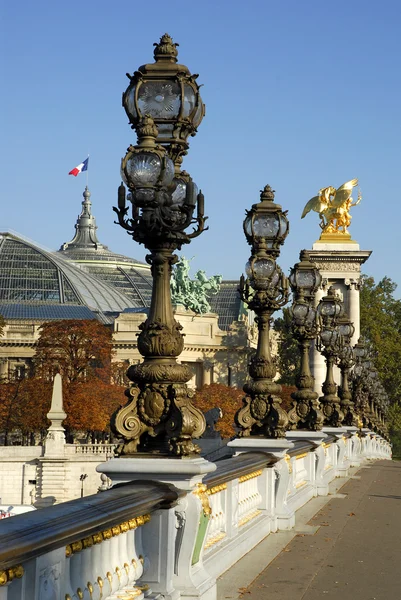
[340, 256]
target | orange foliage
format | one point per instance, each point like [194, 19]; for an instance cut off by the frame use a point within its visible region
[228, 399]
[24, 405]
[286, 396]
[78, 349]
[89, 405]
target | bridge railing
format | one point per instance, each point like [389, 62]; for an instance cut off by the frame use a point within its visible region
[165, 541]
[89, 548]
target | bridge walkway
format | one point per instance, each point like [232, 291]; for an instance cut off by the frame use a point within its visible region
[345, 546]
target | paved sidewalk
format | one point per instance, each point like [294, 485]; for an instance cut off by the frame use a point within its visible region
[355, 553]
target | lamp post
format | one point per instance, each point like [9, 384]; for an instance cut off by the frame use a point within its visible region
[164, 106]
[359, 392]
[329, 344]
[346, 362]
[82, 479]
[264, 290]
[305, 280]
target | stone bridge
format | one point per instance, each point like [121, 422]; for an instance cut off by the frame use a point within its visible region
[176, 528]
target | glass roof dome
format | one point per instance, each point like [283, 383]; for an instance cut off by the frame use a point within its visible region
[128, 275]
[34, 278]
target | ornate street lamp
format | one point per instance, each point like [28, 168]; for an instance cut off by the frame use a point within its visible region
[168, 93]
[305, 280]
[264, 290]
[346, 362]
[373, 389]
[358, 376]
[329, 344]
[159, 415]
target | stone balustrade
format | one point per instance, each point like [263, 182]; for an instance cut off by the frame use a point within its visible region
[171, 540]
[105, 450]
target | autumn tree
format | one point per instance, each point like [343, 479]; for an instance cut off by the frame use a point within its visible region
[79, 350]
[24, 405]
[89, 406]
[228, 399]
[2, 324]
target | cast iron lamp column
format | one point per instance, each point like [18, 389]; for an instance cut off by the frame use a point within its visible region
[265, 290]
[346, 362]
[359, 394]
[305, 280]
[159, 416]
[329, 344]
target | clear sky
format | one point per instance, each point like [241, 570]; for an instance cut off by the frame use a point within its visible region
[299, 94]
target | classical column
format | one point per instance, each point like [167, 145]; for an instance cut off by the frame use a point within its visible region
[354, 307]
[3, 368]
[207, 378]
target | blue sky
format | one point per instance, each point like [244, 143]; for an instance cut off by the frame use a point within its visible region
[300, 95]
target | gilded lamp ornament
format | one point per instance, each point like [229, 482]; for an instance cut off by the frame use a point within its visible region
[160, 206]
[264, 290]
[305, 280]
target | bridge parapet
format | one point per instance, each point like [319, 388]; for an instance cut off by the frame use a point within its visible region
[170, 540]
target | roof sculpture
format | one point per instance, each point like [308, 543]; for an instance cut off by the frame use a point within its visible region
[193, 293]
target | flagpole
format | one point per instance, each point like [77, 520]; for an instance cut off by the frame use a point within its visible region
[87, 174]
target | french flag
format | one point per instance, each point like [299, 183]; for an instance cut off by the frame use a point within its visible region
[83, 166]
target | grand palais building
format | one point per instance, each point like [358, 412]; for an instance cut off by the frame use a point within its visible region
[86, 280]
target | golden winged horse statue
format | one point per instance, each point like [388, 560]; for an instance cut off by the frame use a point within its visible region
[333, 206]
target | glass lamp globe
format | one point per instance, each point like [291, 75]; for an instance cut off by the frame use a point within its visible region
[167, 92]
[261, 271]
[330, 306]
[185, 192]
[346, 328]
[266, 221]
[300, 311]
[329, 337]
[146, 169]
[360, 350]
[305, 276]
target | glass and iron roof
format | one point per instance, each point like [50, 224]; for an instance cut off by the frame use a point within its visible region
[227, 304]
[32, 276]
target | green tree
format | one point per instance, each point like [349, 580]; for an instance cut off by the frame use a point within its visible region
[288, 356]
[381, 328]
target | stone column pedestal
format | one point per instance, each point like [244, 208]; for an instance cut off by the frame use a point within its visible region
[173, 540]
[284, 517]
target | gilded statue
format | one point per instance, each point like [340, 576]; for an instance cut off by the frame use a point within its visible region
[333, 207]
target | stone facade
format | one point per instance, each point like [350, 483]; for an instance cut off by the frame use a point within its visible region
[213, 355]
